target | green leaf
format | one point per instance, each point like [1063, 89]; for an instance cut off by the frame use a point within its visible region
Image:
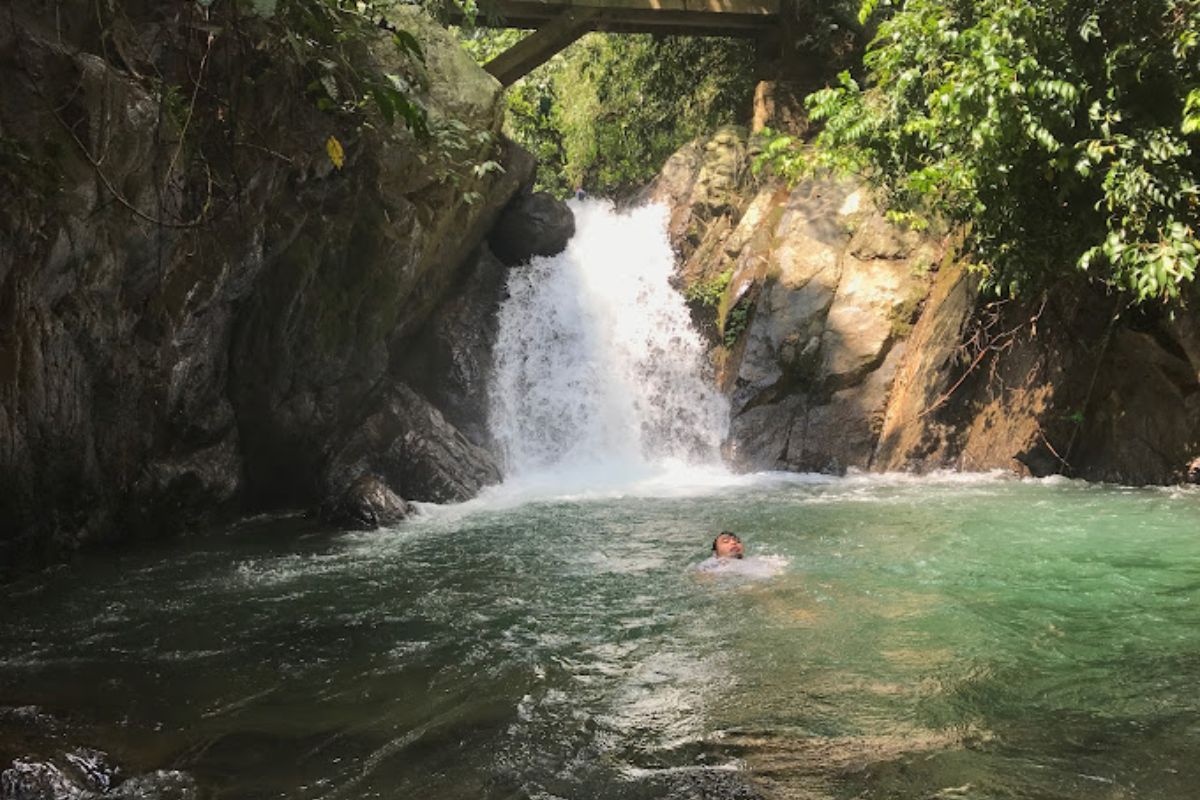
[1191, 112]
[383, 102]
[407, 43]
[866, 10]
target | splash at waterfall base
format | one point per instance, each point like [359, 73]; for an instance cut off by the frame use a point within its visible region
[598, 377]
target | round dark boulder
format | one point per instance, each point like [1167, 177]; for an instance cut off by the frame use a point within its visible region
[536, 224]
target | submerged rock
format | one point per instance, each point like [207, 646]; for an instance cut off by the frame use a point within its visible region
[36, 780]
[536, 224]
[88, 774]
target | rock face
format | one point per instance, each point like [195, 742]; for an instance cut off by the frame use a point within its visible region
[405, 448]
[533, 224]
[173, 343]
[846, 341]
[1065, 384]
[449, 361]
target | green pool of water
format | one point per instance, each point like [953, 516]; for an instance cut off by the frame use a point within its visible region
[911, 638]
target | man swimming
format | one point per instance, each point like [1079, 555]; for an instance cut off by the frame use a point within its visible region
[729, 558]
[728, 545]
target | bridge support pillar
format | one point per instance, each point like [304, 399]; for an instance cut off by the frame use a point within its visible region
[786, 74]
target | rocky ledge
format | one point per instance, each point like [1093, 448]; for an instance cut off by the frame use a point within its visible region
[846, 341]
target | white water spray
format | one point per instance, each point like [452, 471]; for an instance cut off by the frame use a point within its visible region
[599, 376]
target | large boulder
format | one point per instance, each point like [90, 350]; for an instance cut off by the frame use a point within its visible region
[375, 252]
[703, 185]
[535, 224]
[450, 360]
[819, 291]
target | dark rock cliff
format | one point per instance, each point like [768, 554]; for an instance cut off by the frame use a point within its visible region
[193, 325]
[845, 341]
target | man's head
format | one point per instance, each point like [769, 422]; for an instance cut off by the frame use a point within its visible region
[728, 545]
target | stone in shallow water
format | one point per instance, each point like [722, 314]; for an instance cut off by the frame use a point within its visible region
[35, 780]
[368, 503]
[85, 773]
[95, 767]
[163, 784]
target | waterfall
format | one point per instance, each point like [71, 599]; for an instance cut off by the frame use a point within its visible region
[598, 373]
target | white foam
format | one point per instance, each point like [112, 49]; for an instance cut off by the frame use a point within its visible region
[599, 381]
[758, 567]
[676, 479]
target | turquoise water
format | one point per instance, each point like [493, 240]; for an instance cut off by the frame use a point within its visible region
[952, 637]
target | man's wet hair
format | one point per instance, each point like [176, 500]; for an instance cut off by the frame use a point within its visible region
[724, 533]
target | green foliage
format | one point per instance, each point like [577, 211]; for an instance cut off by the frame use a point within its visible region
[710, 292]
[735, 322]
[536, 120]
[342, 46]
[228, 76]
[329, 36]
[1191, 113]
[484, 44]
[781, 155]
[608, 111]
[1063, 132]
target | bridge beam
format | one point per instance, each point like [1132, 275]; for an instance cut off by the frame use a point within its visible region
[538, 47]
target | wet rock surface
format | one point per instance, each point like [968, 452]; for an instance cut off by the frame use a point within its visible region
[363, 501]
[533, 224]
[450, 360]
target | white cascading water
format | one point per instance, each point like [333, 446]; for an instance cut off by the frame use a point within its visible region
[599, 377]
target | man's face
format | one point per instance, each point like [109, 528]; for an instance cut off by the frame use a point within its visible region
[729, 546]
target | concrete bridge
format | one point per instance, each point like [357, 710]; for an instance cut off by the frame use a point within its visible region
[557, 23]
